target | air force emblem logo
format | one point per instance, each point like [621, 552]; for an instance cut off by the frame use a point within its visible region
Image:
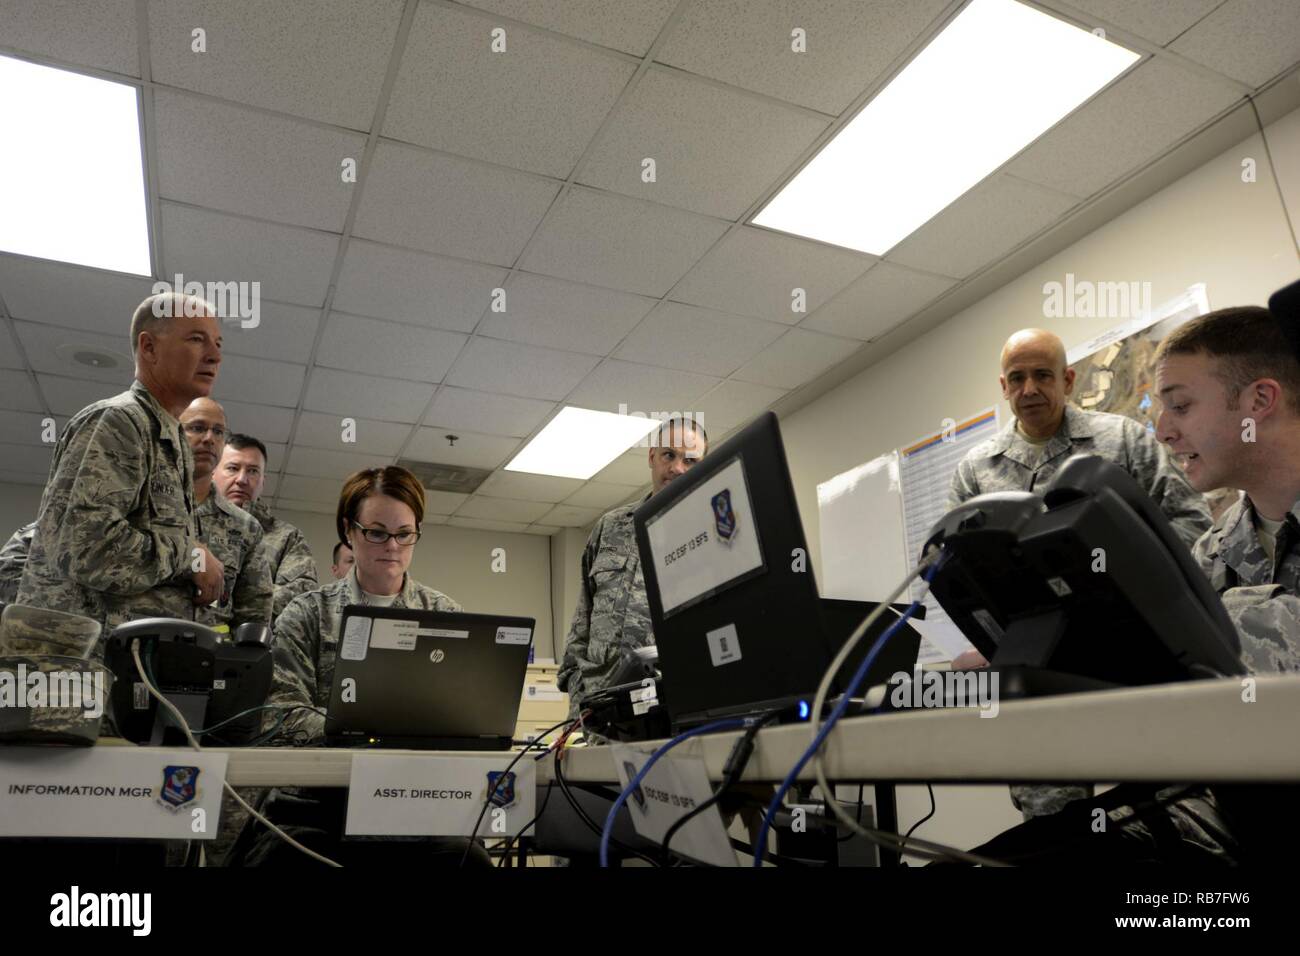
[503, 791]
[724, 518]
[180, 786]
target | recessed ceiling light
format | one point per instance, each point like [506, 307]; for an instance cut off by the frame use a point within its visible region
[994, 80]
[579, 442]
[71, 168]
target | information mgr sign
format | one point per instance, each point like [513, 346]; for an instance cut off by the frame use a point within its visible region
[110, 791]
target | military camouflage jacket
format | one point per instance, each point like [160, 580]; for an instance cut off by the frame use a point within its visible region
[1009, 463]
[292, 567]
[612, 610]
[115, 533]
[235, 537]
[13, 559]
[1261, 596]
[306, 644]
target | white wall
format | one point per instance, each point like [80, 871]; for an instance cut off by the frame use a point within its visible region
[1207, 227]
[18, 506]
[458, 562]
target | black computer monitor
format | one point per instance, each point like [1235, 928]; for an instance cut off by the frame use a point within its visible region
[733, 601]
[1087, 579]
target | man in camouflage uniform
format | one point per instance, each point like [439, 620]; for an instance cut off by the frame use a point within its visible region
[1045, 431]
[1229, 384]
[115, 536]
[612, 611]
[233, 535]
[13, 559]
[240, 477]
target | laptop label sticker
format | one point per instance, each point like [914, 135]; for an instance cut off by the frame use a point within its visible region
[514, 635]
[706, 541]
[394, 635]
[442, 632]
[724, 645]
[356, 639]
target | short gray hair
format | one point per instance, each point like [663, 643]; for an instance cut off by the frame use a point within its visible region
[159, 309]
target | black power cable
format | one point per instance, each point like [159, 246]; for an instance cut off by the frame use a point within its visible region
[591, 824]
[500, 781]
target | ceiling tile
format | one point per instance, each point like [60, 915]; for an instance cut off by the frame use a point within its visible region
[260, 381]
[361, 396]
[276, 168]
[102, 34]
[596, 494]
[640, 388]
[35, 459]
[292, 265]
[52, 349]
[383, 348]
[734, 403]
[379, 439]
[74, 296]
[569, 516]
[541, 529]
[982, 226]
[442, 502]
[486, 412]
[471, 450]
[324, 59]
[415, 287]
[716, 151]
[284, 332]
[523, 370]
[630, 27]
[1135, 120]
[28, 428]
[502, 509]
[304, 488]
[565, 315]
[877, 302]
[748, 43]
[263, 422]
[697, 340]
[527, 487]
[319, 463]
[451, 206]
[512, 527]
[546, 96]
[632, 468]
[271, 483]
[432, 519]
[66, 396]
[275, 451]
[796, 358]
[1158, 22]
[1249, 40]
[311, 507]
[619, 242]
[756, 272]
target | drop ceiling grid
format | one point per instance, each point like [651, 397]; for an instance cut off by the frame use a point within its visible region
[148, 83]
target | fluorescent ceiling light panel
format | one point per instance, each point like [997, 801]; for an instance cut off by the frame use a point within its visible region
[73, 180]
[578, 442]
[994, 80]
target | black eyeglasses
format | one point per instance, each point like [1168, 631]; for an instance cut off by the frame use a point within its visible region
[380, 536]
[198, 430]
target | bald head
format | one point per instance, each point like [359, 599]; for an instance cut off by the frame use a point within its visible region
[204, 424]
[1035, 381]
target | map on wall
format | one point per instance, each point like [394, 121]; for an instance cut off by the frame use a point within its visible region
[1115, 371]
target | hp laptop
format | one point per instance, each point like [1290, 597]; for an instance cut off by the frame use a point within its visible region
[427, 680]
[737, 618]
